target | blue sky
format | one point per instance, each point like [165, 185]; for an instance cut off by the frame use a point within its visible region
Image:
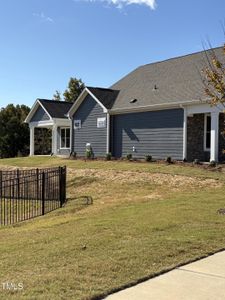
[45, 42]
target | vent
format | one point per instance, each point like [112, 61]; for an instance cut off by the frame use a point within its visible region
[155, 88]
[133, 100]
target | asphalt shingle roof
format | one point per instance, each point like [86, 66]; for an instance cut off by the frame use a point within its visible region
[176, 80]
[106, 96]
[56, 109]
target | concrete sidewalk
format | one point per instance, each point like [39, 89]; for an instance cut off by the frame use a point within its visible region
[201, 280]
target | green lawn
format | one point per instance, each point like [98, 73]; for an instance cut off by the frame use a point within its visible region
[145, 218]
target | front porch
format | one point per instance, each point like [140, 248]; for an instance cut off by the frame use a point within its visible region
[203, 133]
[59, 138]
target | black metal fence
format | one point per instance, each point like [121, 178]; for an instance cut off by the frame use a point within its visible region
[25, 194]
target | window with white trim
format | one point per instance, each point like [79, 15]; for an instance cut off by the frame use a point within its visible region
[207, 132]
[101, 122]
[77, 124]
[64, 138]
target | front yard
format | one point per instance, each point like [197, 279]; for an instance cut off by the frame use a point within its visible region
[145, 218]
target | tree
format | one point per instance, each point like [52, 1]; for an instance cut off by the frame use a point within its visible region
[75, 87]
[214, 78]
[14, 133]
[57, 96]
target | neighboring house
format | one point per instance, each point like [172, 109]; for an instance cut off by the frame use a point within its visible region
[159, 109]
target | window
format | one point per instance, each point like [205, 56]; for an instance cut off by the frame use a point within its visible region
[65, 138]
[207, 137]
[101, 122]
[77, 124]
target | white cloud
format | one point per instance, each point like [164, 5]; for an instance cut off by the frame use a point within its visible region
[43, 17]
[120, 3]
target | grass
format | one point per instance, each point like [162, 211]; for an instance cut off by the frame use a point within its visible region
[145, 218]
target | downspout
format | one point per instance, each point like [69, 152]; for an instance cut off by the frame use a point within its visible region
[71, 135]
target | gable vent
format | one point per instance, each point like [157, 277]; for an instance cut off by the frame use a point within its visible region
[133, 100]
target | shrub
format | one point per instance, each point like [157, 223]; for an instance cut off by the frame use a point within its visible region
[212, 163]
[89, 153]
[129, 156]
[169, 159]
[148, 158]
[73, 154]
[108, 156]
[196, 161]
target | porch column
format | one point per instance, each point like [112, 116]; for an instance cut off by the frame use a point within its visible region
[214, 136]
[108, 134]
[185, 134]
[32, 140]
[54, 139]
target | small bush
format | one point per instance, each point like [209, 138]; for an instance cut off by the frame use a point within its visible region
[196, 161]
[169, 159]
[108, 156]
[148, 158]
[89, 154]
[212, 163]
[73, 154]
[129, 156]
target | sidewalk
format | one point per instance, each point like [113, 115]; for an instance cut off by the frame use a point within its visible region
[201, 280]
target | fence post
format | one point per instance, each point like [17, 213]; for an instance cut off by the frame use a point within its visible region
[64, 184]
[18, 183]
[60, 186]
[0, 184]
[43, 193]
[37, 177]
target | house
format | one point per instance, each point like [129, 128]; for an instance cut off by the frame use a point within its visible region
[159, 109]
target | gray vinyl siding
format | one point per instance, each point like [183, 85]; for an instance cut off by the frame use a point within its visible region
[60, 151]
[40, 115]
[88, 112]
[156, 133]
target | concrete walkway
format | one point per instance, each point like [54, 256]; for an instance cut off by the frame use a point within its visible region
[201, 280]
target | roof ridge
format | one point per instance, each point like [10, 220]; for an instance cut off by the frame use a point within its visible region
[55, 101]
[181, 56]
[101, 88]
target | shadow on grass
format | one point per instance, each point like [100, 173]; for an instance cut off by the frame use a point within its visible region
[77, 203]
[81, 181]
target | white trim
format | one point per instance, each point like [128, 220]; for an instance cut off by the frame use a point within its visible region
[205, 131]
[103, 120]
[203, 108]
[77, 121]
[41, 124]
[214, 136]
[80, 99]
[60, 144]
[108, 133]
[32, 140]
[153, 107]
[105, 110]
[72, 135]
[54, 139]
[33, 110]
[61, 122]
[45, 109]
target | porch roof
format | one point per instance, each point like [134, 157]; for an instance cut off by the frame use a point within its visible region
[56, 109]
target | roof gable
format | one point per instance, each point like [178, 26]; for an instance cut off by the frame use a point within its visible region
[40, 115]
[104, 97]
[56, 109]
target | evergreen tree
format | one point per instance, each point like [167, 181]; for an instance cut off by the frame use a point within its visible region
[14, 133]
[75, 87]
